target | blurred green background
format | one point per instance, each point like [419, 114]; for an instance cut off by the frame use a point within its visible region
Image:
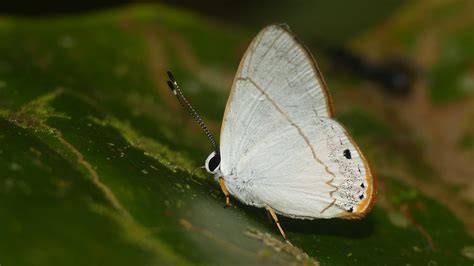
[97, 157]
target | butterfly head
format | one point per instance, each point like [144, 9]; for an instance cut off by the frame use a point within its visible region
[213, 163]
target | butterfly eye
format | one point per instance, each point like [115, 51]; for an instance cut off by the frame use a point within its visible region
[213, 162]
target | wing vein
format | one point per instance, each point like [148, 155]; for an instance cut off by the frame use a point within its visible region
[268, 50]
[300, 132]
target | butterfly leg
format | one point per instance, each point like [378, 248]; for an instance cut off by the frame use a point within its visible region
[275, 218]
[225, 191]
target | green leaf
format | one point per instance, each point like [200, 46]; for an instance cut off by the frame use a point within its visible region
[97, 160]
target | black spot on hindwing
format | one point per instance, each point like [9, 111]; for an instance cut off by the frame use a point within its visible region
[347, 154]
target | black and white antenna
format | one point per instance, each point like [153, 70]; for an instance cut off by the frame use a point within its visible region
[182, 100]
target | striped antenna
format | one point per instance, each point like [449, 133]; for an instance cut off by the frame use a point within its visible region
[186, 105]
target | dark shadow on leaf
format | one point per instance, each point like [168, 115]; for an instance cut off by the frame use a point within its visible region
[335, 227]
[357, 228]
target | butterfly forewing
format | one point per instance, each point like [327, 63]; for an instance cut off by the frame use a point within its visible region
[279, 145]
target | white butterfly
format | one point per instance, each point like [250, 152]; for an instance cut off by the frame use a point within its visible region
[280, 147]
